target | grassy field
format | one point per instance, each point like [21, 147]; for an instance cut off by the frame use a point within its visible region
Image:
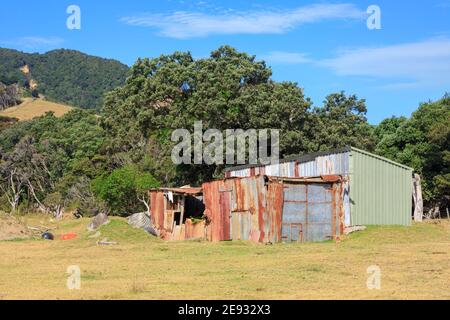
[31, 108]
[414, 262]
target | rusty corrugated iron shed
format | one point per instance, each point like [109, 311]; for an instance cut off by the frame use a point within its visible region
[256, 208]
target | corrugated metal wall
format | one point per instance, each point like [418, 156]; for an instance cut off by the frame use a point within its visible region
[157, 208]
[380, 190]
[253, 209]
[336, 163]
[240, 209]
[312, 212]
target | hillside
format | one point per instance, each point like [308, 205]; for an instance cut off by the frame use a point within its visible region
[65, 76]
[31, 108]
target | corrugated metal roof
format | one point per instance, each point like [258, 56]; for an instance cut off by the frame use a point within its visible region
[308, 160]
[182, 190]
[299, 158]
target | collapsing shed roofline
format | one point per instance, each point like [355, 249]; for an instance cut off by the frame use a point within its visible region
[318, 179]
[311, 156]
[189, 191]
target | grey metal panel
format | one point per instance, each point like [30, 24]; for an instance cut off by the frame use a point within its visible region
[308, 212]
[295, 193]
[318, 193]
[294, 212]
[321, 165]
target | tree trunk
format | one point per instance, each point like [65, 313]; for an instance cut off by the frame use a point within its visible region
[145, 202]
[33, 193]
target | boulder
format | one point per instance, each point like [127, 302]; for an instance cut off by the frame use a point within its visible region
[99, 220]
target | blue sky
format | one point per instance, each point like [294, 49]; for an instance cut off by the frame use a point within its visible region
[324, 46]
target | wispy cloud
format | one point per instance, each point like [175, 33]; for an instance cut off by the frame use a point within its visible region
[34, 42]
[424, 62]
[193, 24]
[406, 65]
[283, 57]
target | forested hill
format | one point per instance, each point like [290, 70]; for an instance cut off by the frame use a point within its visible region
[65, 76]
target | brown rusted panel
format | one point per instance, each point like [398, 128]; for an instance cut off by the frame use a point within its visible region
[261, 210]
[341, 210]
[274, 210]
[334, 210]
[224, 215]
[182, 190]
[157, 208]
[194, 230]
[217, 209]
[331, 178]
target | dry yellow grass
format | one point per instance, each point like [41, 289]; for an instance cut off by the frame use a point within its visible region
[31, 108]
[414, 262]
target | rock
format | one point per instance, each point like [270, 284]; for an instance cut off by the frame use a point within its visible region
[151, 231]
[139, 220]
[99, 220]
[106, 242]
[349, 230]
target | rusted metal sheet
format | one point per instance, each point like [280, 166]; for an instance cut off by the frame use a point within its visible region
[194, 230]
[182, 190]
[248, 208]
[167, 213]
[157, 208]
[275, 199]
[236, 209]
[262, 209]
[217, 201]
[331, 178]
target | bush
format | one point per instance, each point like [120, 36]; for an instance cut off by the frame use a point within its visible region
[122, 189]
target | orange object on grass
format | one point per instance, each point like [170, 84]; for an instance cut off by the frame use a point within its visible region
[68, 236]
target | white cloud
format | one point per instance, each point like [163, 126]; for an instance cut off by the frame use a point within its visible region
[423, 62]
[283, 57]
[406, 66]
[33, 43]
[191, 24]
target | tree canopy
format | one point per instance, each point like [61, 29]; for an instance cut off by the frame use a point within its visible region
[227, 90]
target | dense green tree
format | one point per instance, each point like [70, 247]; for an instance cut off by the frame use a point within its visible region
[45, 155]
[228, 90]
[423, 143]
[342, 121]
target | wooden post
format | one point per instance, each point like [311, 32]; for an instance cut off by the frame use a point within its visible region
[418, 201]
